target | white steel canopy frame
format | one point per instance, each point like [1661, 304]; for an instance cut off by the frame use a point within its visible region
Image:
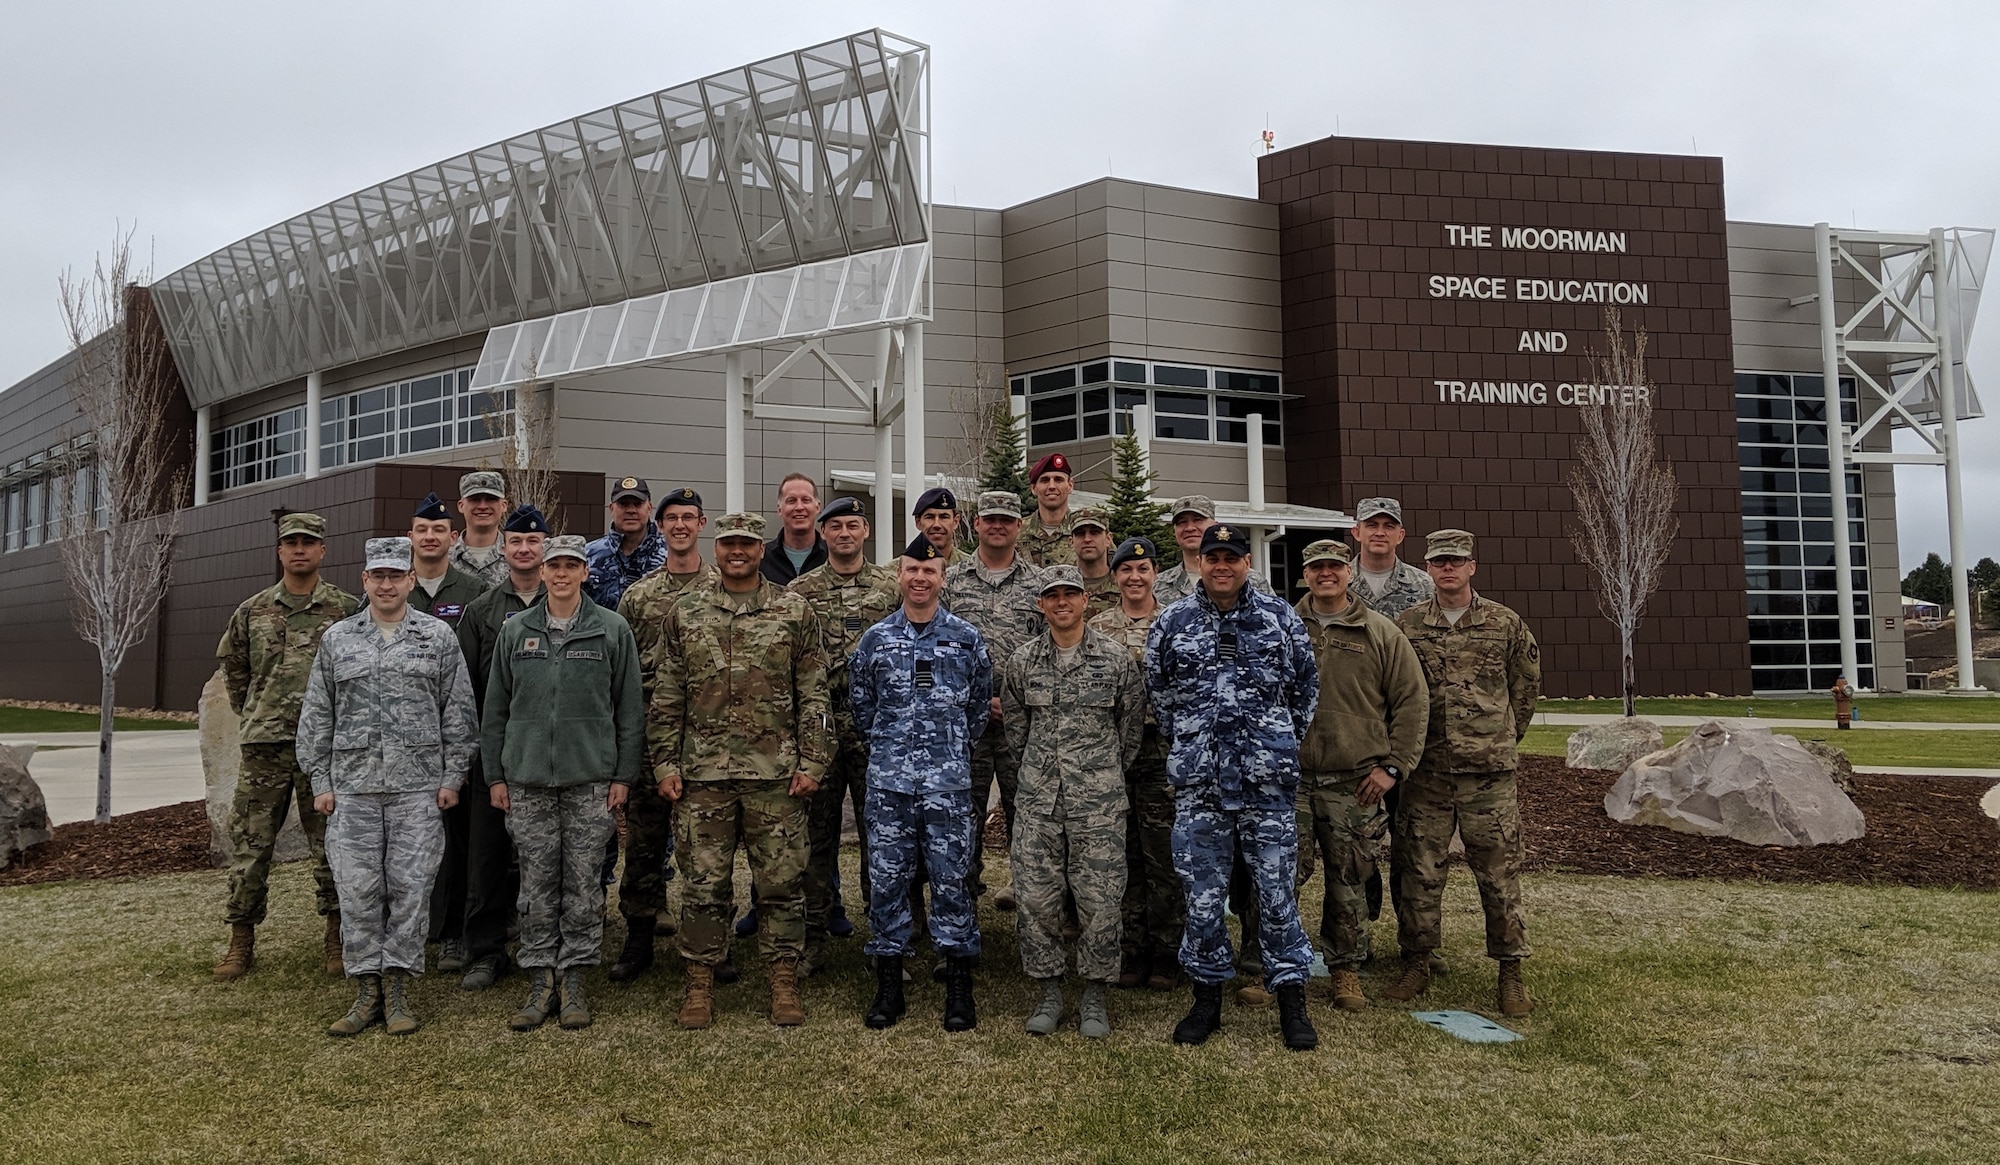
[1921, 294]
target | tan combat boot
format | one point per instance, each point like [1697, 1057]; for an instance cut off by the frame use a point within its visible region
[787, 1010]
[335, 964]
[1415, 980]
[1347, 994]
[1514, 999]
[698, 1007]
[242, 953]
[396, 1013]
[367, 1009]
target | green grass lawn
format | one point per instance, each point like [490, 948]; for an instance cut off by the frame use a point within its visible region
[1931, 708]
[22, 721]
[1945, 748]
[1679, 1022]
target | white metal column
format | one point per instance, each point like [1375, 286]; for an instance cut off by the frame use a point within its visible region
[1260, 551]
[1954, 504]
[734, 406]
[885, 455]
[914, 482]
[1836, 457]
[204, 439]
[313, 401]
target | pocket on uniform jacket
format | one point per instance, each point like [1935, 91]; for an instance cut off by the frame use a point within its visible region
[1096, 696]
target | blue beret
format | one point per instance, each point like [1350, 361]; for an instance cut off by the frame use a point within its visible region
[526, 519]
[431, 509]
[842, 508]
[921, 549]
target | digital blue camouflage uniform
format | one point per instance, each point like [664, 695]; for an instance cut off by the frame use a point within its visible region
[1234, 692]
[384, 726]
[612, 570]
[920, 697]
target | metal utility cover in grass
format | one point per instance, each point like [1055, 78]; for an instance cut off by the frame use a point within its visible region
[1473, 1029]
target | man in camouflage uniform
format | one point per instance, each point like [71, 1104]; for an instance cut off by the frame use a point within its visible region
[1192, 515]
[492, 884]
[267, 653]
[1234, 686]
[998, 591]
[1484, 669]
[1151, 914]
[386, 732]
[936, 512]
[1090, 545]
[649, 823]
[1367, 733]
[1074, 707]
[1045, 535]
[562, 741]
[482, 502]
[921, 688]
[443, 592]
[631, 549]
[1381, 579]
[740, 735]
[847, 595]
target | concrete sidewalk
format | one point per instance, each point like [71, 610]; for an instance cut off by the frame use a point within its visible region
[148, 770]
[1583, 719]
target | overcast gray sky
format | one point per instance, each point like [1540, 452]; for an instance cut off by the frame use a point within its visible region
[200, 122]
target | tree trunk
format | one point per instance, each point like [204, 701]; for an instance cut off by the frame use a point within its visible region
[109, 701]
[1628, 673]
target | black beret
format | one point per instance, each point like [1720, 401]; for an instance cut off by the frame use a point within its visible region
[680, 497]
[921, 549]
[935, 498]
[842, 508]
[526, 519]
[431, 509]
[1134, 550]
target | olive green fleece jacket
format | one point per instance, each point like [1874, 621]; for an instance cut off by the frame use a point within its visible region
[1373, 704]
[567, 715]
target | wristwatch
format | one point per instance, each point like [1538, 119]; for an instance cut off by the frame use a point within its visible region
[1395, 774]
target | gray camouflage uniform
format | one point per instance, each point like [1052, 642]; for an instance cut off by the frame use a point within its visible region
[1075, 728]
[1407, 586]
[384, 726]
[1006, 615]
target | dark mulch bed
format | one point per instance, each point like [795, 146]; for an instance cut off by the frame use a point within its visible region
[168, 840]
[1922, 831]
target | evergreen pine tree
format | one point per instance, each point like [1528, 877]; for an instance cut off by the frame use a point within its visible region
[1930, 582]
[1006, 460]
[1132, 511]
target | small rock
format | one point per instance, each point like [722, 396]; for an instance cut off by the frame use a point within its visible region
[24, 814]
[221, 757]
[1711, 695]
[1730, 779]
[1990, 803]
[1615, 745]
[1838, 767]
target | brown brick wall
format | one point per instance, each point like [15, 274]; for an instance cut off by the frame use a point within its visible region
[1361, 230]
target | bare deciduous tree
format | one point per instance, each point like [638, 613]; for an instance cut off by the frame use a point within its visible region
[121, 516]
[1624, 493]
[529, 460]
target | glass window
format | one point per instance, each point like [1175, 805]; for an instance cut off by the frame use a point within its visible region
[1764, 433]
[1765, 481]
[1769, 504]
[1779, 680]
[1049, 407]
[1232, 427]
[1127, 372]
[1180, 376]
[1096, 425]
[1777, 628]
[1097, 373]
[1767, 457]
[1018, 386]
[31, 521]
[1053, 432]
[1180, 416]
[1769, 530]
[420, 415]
[1758, 408]
[1055, 381]
[1246, 381]
[1765, 603]
[1777, 653]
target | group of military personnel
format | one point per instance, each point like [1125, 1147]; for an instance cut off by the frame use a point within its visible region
[1162, 741]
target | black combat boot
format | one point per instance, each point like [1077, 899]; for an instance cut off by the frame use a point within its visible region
[637, 957]
[1293, 1023]
[959, 1013]
[889, 1003]
[1204, 1019]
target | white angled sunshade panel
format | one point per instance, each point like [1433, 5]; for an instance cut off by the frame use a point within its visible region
[811, 157]
[818, 299]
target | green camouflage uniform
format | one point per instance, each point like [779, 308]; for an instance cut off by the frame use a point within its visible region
[1373, 710]
[267, 653]
[1102, 593]
[1152, 912]
[1045, 545]
[844, 606]
[1485, 675]
[649, 821]
[740, 706]
[1006, 615]
[1076, 728]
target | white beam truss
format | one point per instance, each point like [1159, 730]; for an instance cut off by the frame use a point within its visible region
[1920, 294]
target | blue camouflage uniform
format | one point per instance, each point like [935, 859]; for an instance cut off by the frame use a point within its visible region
[611, 570]
[1234, 721]
[919, 800]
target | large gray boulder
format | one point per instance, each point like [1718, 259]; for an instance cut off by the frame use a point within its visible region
[1615, 745]
[24, 814]
[1838, 767]
[1732, 779]
[221, 756]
